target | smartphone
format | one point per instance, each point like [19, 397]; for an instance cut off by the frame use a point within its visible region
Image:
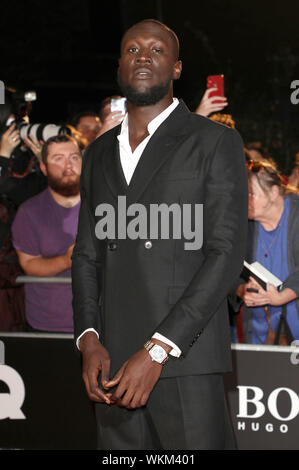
[216, 81]
[30, 96]
[119, 104]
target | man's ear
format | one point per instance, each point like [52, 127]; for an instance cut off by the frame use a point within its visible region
[43, 168]
[177, 70]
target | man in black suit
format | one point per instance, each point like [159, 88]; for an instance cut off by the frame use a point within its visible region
[133, 288]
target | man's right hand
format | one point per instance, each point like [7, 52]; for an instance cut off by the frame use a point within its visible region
[96, 360]
[68, 256]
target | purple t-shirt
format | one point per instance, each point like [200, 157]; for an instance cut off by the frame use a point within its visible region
[43, 227]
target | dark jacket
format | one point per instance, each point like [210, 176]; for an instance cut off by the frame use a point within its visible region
[127, 291]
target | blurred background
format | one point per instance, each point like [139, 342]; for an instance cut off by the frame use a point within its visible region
[67, 51]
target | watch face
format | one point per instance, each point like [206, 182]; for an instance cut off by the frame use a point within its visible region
[158, 354]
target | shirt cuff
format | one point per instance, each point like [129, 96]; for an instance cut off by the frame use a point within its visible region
[176, 352]
[85, 331]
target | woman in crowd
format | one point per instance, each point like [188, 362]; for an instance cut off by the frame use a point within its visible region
[272, 241]
[294, 176]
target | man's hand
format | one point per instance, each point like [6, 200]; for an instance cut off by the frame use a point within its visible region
[135, 379]
[96, 360]
[68, 255]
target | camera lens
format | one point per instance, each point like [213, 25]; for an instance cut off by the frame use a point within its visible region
[42, 131]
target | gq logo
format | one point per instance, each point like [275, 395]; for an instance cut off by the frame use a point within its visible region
[11, 403]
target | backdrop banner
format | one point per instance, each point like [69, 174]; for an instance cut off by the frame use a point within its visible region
[43, 403]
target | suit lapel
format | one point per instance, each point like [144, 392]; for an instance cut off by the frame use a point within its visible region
[159, 148]
[112, 167]
[155, 154]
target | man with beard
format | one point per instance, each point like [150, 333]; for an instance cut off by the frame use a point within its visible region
[44, 232]
[151, 316]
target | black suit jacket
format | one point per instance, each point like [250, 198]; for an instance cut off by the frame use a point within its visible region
[126, 291]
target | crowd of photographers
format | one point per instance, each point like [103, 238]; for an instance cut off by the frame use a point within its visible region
[40, 167]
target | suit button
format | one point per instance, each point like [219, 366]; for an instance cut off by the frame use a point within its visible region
[148, 244]
[112, 246]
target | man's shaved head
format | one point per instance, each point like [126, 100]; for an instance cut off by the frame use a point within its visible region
[171, 33]
[148, 63]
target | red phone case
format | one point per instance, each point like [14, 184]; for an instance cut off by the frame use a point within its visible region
[216, 81]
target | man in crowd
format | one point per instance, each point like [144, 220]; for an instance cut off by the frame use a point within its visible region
[44, 232]
[151, 316]
[110, 118]
[89, 124]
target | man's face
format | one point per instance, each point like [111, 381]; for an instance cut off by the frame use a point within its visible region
[89, 126]
[148, 64]
[63, 168]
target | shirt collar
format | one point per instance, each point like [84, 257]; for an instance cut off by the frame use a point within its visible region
[152, 125]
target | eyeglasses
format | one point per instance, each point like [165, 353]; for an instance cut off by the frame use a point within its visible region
[255, 166]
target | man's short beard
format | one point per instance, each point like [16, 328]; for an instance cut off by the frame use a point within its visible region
[144, 98]
[64, 189]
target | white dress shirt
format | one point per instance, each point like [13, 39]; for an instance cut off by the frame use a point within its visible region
[129, 161]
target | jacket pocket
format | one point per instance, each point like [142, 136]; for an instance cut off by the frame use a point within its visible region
[177, 176]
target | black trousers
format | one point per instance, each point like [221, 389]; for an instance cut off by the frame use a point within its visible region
[181, 413]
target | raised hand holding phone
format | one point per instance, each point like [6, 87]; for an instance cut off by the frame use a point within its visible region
[216, 84]
[213, 99]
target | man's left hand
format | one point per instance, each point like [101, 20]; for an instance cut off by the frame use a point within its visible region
[135, 379]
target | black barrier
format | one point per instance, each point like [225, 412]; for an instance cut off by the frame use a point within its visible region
[55, 413]
[263, 397]
[43, 404]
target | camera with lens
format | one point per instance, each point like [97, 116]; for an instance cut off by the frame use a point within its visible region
[40, 131]
[22, 102]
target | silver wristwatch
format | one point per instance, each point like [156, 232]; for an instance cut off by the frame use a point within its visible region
[156, 352]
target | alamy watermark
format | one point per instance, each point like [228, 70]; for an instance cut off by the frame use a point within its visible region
[158, 221]
[295, 94]
[295, 354]
[2, 93]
